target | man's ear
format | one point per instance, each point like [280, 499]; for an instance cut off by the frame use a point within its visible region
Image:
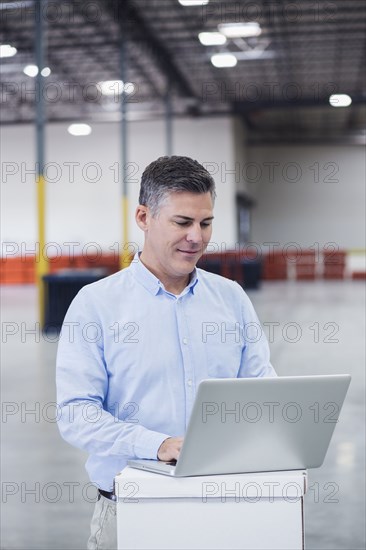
[142, 217]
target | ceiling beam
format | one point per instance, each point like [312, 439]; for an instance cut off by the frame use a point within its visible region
[126, 12]
[243, 107]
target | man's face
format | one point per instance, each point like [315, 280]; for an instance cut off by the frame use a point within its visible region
[179, 234]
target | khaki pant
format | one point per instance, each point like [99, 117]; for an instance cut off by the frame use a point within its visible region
[103, 526]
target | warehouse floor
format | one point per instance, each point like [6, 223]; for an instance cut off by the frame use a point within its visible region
[47, 501]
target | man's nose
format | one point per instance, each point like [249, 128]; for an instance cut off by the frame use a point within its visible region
[194, 234]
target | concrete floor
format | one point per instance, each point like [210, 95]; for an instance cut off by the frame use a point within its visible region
[47, 501]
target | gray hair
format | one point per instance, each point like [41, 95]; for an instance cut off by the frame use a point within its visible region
[174, 174]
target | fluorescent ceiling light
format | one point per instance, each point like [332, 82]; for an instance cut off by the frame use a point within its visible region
[115, 87]
[224, 60]
[340, 100]
[193, 2]
[129, 88]
[254, 55]
[111, 87]
[17, 5]
[31, 70]
[212, 38]
[79, 129]
[7, 51]
[240, 30]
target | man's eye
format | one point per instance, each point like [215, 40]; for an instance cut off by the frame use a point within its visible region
[203, 224]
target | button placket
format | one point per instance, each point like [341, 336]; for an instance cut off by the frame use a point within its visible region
[187, 363]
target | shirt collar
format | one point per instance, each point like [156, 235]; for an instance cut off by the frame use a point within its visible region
[152, 283]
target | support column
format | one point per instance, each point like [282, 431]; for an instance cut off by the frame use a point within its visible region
[168, 121]
[41, 260]
[124, 257]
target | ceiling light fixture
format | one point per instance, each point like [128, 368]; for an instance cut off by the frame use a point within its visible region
[17, 5]
[340, 100]
[221, 60]
[31, 70]
[240, 30]
[115, 87]
[129, 88]
[212, 38]
[79, 129]
[193, 2]
[255, 55]
[111, 87]
[7, 51]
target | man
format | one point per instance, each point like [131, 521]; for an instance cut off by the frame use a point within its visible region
[143, 338]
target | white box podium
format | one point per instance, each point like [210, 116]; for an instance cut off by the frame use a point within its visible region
[237, 511]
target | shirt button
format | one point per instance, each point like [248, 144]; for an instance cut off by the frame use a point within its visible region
[189, 383]
[185, 341]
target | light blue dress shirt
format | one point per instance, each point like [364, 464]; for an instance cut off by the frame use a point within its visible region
[131, 356]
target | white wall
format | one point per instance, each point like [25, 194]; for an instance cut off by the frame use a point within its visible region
[84, 211]
[304, 194]
[308, 194]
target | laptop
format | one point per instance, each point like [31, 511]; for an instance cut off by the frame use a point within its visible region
[242, 425]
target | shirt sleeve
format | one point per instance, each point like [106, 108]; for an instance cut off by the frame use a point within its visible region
[82, 386]
[255, 358]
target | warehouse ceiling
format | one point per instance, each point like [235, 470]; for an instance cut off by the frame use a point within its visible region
[304, 52]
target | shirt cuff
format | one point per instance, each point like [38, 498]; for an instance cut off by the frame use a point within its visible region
[148, 444]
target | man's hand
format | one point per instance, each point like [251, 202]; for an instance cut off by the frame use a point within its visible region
[170, 449]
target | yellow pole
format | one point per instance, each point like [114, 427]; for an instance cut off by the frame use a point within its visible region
[125, 257]
[41, 260]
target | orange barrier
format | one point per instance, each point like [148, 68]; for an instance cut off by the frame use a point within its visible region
[359, 275]
[17, 270]
[305, 266]
[275, 265]
[334, 264]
